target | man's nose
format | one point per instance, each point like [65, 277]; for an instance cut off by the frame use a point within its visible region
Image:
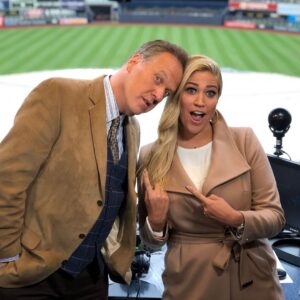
[159, 94]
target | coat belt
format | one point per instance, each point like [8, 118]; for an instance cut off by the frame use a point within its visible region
[221, 260]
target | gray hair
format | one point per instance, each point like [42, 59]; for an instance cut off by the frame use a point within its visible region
[155, 47]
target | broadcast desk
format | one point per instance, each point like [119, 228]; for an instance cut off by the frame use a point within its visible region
[145, 289]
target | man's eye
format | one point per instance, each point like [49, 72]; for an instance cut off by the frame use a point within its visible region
[158, 79]
[167, 94]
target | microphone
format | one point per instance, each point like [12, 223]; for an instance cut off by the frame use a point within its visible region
[279, 123]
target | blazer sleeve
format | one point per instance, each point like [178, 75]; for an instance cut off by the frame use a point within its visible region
[22, 152]
[266, 217]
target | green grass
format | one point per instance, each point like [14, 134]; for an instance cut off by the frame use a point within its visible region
[108, 46]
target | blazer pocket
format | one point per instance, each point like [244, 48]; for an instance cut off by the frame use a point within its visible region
[29, 239]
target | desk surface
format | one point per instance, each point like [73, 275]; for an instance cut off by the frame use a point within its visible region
[146, 290]
[292, 290]
[150, 292]
[137, 290]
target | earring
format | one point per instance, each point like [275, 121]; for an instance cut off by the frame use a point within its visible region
[215, 118]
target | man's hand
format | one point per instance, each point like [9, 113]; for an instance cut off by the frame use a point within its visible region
[157, 203]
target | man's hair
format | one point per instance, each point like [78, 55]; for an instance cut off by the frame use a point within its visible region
[155, 47]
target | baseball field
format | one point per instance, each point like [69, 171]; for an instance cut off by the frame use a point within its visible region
[109, 45]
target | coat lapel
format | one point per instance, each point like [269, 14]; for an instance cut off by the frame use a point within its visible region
[98, 127]
[227, 161]
[177, 178]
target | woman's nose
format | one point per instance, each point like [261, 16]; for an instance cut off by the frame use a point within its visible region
[200, 99]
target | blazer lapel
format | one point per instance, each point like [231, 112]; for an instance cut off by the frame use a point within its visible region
[98, 126]
[132, 141]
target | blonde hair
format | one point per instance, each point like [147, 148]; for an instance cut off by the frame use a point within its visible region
[159, 159]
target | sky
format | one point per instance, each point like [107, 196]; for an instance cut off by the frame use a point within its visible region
[246, 101]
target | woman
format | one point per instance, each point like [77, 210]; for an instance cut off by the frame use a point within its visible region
[208, 191]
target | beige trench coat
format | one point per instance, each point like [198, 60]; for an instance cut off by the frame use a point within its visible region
[203, 261]
[52, 182]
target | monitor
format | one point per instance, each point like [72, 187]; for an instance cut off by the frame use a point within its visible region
[287, 175]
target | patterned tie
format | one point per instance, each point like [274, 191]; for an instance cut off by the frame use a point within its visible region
[112, 139]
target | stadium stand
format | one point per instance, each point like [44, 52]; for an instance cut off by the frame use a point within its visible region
[256, 14]
[275, 15]
[187, 12]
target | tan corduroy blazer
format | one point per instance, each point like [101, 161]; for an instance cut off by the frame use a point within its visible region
[52, 182]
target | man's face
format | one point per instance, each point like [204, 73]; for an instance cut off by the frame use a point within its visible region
[149, 81]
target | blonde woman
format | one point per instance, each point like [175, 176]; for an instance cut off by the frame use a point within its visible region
[207, 190]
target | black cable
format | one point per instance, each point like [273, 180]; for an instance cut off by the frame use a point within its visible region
[137, 288]
[285, 255]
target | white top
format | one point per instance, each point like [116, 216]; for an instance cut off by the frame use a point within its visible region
[196, 162]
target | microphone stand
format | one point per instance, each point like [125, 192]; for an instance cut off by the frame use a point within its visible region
[279, 134]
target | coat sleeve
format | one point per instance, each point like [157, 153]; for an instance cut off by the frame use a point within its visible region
[22, 152]
[147, 237]
[266, 217]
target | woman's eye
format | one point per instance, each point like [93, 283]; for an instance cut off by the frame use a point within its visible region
[211, 93]
[191, 90]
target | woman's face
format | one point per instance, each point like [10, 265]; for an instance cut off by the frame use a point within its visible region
[198, 103]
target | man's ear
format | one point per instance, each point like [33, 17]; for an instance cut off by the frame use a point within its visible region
[132, 61]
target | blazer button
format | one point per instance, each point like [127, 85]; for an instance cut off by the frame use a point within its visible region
[99, 203]
[64, 262]
[81, 236]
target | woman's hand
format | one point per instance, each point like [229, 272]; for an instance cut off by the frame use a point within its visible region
[217, 208]
[157, 204]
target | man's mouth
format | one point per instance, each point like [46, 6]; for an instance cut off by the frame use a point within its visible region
[147, 102]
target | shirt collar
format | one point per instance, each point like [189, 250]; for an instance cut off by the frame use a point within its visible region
[112, 110]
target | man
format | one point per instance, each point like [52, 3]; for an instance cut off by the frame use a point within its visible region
[67, 178]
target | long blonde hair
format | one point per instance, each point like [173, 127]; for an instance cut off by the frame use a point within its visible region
[159, 159]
